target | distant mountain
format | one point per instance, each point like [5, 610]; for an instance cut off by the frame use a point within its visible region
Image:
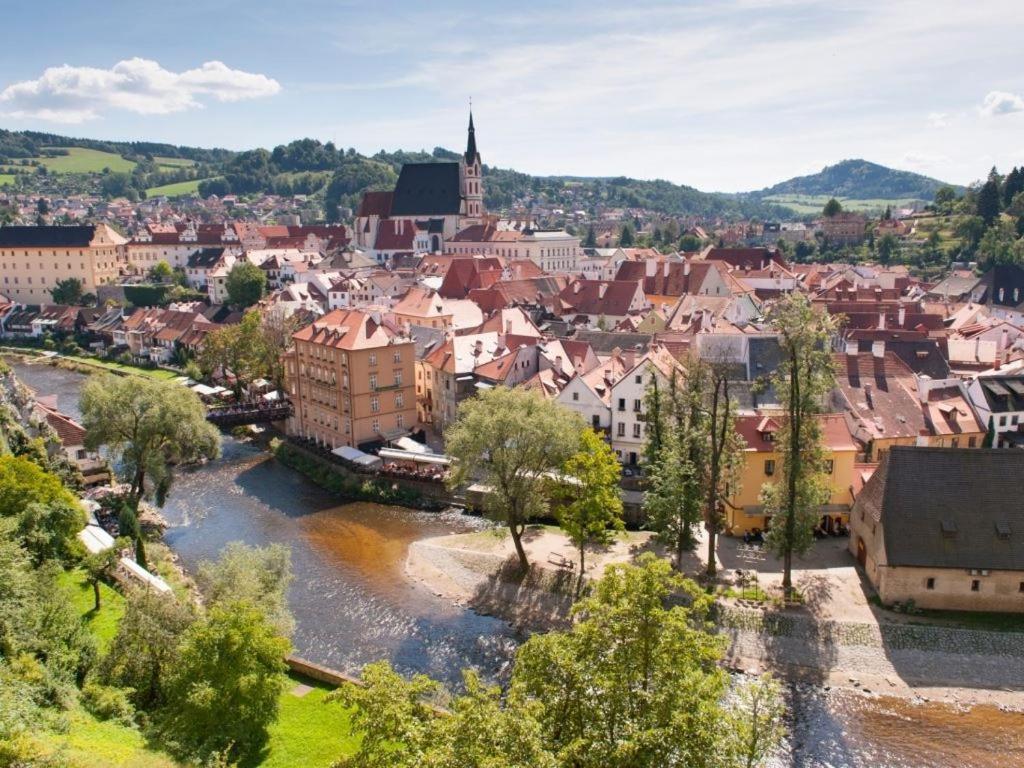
[860, 180]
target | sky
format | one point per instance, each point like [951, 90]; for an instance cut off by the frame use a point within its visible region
[730, 96]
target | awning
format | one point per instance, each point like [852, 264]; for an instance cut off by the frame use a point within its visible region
[95, 539]
[144, 576]
[394, 454]
[356, 456]
[408, 444]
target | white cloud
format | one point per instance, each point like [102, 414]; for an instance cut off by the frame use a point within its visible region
[1001, 103]
[938, 119]
[69, 94]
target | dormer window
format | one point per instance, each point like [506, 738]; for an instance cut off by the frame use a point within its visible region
[1003, 530]
[949, 530]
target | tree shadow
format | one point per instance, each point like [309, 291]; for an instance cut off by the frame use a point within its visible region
[537, 599]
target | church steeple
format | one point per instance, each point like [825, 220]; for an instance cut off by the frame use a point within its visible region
[472, 156]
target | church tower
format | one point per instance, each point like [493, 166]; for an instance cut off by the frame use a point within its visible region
[472, 180]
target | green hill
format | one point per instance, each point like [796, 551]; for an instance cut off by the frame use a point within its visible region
[859, 180]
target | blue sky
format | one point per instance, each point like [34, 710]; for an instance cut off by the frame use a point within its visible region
[730, 95]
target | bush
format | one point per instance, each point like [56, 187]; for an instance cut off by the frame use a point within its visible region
[108, 703]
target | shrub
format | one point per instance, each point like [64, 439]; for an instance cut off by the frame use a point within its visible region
[108, 703]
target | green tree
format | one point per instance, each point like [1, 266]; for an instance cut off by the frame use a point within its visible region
[149, 427]
[887, 247]
[633, 682]
[832, 208]
[970, 229]
[627, 236]
[690, 243]
[1000, 245]
[590, 241]
[67, 292]
[161, 272]
[224, 689]
[257, 575]
[99, 565]
[247, 350]
[802, 381]
[47, 531]
[594, 512]
[945, 196]
[510, 440]
[756, 721]
[987, 202]
[246, 284]
[43, 515]
[145, 651]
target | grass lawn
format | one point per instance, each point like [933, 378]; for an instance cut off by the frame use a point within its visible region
[92, 743]
[104, 623]
[174, 162]
[80, 160]
[111, 365]
[175, 190]
[7, 178]
[812, 204]
[308, 731]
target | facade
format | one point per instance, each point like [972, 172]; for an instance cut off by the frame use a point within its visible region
[999, 401]
[844, 228]
[34, 259]
[350, 378]
[944, 528]
[763, 464]
[628, 427]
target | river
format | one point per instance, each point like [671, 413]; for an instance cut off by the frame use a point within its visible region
[353, 604]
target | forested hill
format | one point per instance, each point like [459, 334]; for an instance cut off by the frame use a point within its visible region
[859, 180]
[339, 176]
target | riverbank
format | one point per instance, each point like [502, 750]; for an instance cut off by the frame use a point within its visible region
[917, 662]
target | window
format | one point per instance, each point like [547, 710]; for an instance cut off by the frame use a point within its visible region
[398, 357]
[373, 359]
[636, 430]
[830, 465]
[1020, 588]
[622, 403]
[375, 404]
[621, 431]
[637, 405]
[373, 381]
[400, 400]
[400, 420]
[954, 443]
[575, 397]
[972, 442]
[1002, 421]
[398, 378]
[639, 379]
[975, 585]
[769, 467]
[595, 421]
[375, 425]
[929, 583]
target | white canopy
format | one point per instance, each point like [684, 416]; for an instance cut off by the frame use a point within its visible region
[95, 539]
[420, 458]
[408, 444]
[356, 456]
[141, 574]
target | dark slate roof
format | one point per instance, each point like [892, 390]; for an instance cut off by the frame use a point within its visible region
[1005, 285]
[603, 342]
[205, 258]
[922, 356]
[765, 356]
[975, 494]
[47, 237]
[1004, 394]
[427, 189]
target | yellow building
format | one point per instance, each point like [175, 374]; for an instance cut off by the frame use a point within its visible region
[763, 464]
[34, 259]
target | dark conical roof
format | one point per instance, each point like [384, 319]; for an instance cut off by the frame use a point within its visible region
[471, 153]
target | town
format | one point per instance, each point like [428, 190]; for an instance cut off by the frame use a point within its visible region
[558, 385]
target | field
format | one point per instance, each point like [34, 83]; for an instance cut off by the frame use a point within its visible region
[102, 623]
[6, 178]
[79, 160]
[115, 367]
[173, 162]
[812, 204]
[175, 190]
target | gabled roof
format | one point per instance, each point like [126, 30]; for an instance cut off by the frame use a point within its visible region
[375, 204]
[350, 329]
[427, 189]
[599, 297]
[949, 507]
[205, 258]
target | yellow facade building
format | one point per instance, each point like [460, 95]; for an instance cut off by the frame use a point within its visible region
[34, 259]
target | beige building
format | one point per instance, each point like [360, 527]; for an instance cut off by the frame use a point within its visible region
[944, 527]
[34, 259]
[350, 378]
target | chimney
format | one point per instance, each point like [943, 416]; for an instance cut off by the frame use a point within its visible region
[602, 289]
[478, 348]
[558, 363]
[881, 320]
[851, 347]
[508, 327]
[650, 268]
[902, 315]
[867, 395]
[686, 267]
[616, 352]
[664, 269]
[878, 348]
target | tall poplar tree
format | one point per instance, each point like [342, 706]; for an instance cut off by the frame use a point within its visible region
[802, 381]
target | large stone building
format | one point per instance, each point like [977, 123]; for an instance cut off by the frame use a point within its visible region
[945, 528]
[34, 259]
[350, 377]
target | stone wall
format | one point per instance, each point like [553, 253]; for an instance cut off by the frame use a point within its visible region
[1001, 591]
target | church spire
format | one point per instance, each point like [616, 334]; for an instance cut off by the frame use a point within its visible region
[471, 154]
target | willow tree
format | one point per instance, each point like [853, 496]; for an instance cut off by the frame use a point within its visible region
[149, 427]
[802, 381]
[512, 441]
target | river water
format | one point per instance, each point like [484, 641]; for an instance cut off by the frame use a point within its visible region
[353, 605]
